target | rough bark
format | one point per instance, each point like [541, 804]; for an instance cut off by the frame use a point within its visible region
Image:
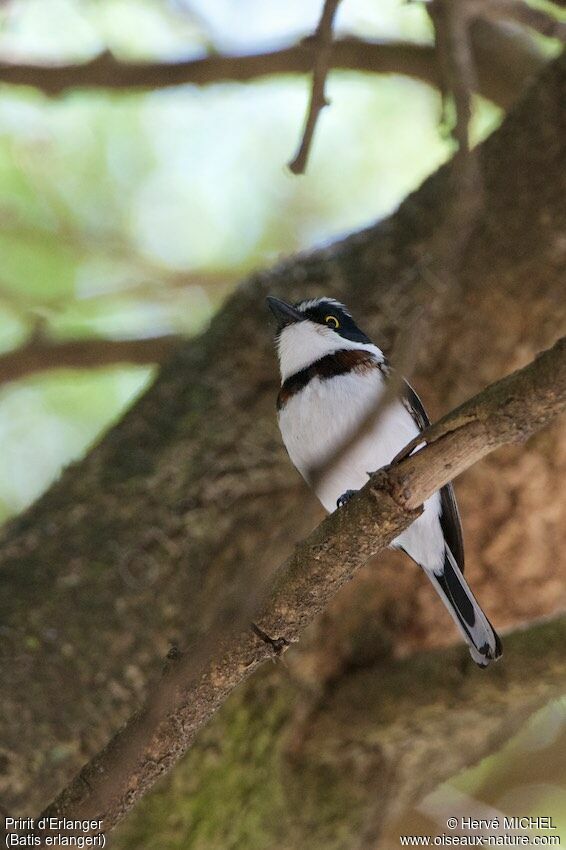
[186, 698]
[191, 495]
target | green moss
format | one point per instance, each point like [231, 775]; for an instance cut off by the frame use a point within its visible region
[238, 789]
[224, 792]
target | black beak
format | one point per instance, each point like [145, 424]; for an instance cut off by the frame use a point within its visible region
[285, 314]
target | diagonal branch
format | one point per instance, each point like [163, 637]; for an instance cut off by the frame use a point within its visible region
[189, 693]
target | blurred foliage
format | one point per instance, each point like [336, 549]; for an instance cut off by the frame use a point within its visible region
[122, 215]
[526, 778]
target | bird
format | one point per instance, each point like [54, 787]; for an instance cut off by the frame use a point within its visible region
[332, 376]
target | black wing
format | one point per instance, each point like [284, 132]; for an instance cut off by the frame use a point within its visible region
[449, 517]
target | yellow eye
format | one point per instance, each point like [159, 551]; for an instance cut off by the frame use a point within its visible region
[332, 321]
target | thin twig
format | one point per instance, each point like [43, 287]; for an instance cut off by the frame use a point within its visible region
[453, 29]
[323, 47]
[451, 23]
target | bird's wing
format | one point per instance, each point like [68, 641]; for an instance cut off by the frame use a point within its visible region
[449, 517]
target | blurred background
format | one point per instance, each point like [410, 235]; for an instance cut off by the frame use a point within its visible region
[129, 217]
[122, 214]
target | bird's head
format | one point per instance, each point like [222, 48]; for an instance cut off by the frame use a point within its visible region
[312, 329]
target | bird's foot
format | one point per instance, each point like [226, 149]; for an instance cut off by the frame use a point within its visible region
[345, 498]
[278, 645]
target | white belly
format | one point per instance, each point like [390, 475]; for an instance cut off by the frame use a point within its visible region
[318, 420]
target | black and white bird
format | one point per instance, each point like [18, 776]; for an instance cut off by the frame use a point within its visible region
[332, 375]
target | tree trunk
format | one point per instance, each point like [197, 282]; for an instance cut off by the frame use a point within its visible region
[191, 497]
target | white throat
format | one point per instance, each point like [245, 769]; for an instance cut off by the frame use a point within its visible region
[303, 343]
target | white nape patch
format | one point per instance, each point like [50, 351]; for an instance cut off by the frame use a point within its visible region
[303, 343]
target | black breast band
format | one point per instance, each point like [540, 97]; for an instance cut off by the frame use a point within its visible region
[338, 363]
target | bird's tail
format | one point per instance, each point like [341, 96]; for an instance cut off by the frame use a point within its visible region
[451, 586]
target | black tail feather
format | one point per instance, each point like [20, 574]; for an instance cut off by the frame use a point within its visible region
[483, 640]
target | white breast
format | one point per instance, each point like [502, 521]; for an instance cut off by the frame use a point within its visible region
[320, 418]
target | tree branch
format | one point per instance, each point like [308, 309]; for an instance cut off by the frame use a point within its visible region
[155, 738]
[382, 737]
[453, 30]
[40, 355]
[505, 61]
[323, 46]
[107, 72]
